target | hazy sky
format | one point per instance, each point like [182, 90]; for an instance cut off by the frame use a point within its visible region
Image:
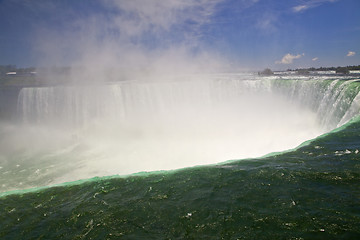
[250, 34]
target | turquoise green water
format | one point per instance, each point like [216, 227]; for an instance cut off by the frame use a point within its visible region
[309, 193]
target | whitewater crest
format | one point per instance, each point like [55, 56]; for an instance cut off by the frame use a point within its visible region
[74, 132]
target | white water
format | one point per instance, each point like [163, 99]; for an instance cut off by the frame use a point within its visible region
[78, 132]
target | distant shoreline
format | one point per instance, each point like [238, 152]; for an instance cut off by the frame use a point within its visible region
[38, 81]
[11, 76]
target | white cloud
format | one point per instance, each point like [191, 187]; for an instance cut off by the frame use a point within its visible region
[288, 58]
[139, 17]
[350, 54]
[315, 59]
[310, 4]
[267, 22]
[137, 37]
[300, 8]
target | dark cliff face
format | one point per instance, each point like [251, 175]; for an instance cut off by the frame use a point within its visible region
[8, 103]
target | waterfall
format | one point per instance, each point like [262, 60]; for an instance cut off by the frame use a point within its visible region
[75, 132]
[334, 100]
[331, 99]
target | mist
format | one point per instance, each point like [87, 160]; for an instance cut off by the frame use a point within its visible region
[81, 131]
[128, 40]
[141, 94]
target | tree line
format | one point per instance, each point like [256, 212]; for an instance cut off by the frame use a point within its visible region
[348, 68]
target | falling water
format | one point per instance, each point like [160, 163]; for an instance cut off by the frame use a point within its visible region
[75, 132]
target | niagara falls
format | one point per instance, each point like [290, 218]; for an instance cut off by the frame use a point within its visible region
[199, 119]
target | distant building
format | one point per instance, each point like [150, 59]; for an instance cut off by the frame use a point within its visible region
[342, 70]
[303, 72]
[266, 72]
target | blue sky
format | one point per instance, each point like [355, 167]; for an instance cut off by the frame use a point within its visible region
[249, 34]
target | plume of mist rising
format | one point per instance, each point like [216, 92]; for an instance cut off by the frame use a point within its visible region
[76, 132]
[131, 40]
[167, 125]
